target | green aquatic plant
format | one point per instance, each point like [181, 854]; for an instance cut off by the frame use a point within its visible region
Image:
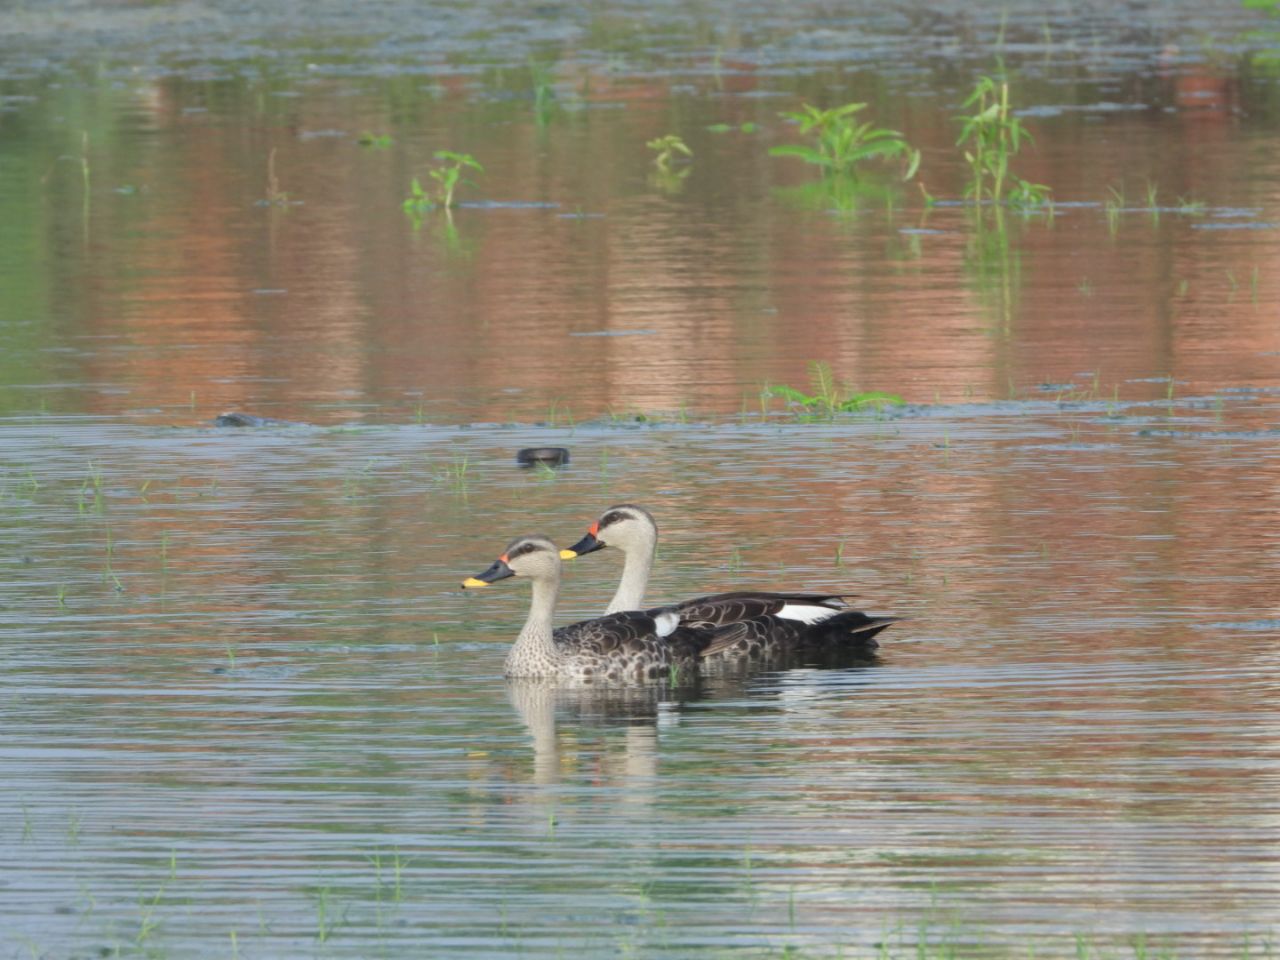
[379, 141]
[394, 889]
[544, 93]
[455, 476]
[327, 924]
[829, 397]
[1264, 41]
[841, 144]
[448, 177]
[1114, 206]
[275, 196]
[745, 127]
[1191, 207]
[992, 136]
[666, 148]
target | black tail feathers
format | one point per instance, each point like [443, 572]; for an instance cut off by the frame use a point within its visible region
[853, 628]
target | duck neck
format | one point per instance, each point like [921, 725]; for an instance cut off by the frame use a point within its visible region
[636, 567]
[534, 651]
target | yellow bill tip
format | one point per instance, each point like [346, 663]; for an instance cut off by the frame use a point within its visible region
[473, 582]
[567, 554]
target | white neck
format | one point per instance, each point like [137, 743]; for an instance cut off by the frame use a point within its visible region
[635, 577]
[534, 653]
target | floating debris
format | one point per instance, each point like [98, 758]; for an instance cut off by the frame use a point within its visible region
[547, 456]
[249, 420]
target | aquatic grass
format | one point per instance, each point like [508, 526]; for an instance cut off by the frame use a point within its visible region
[1153, 206]
[327, 923]
[841, 144]
[380, 141]
[829, 397]
[396, 863]
[544, 94]
[275, 197]
[553, 409]
[95, 482]
[992, 136]
[544, 471]
[148, 922]
[1114, 206]
[454, 476]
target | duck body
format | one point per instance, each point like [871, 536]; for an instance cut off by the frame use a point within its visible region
[773, 638]
[626, 647]
[629, 646]
[744, 624]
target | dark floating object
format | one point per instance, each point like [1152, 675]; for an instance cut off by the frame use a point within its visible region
[249, 420]
[550, 456]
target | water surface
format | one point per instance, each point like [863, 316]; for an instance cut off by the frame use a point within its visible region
[246, 709]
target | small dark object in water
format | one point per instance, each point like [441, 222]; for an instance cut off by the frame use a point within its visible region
[551, 456]
[248, 420]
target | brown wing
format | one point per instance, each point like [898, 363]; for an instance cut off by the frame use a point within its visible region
[628, 632]
[756, 637]
[722, 608]
[768, 636]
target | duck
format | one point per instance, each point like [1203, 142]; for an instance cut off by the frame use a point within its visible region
[624, 646]
[744, 623]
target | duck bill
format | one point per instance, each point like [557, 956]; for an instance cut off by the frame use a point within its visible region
[588, 544]
[497, 571]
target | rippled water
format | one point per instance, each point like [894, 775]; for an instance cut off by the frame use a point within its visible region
[245, 710]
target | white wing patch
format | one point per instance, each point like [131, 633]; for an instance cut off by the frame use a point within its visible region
[810, 613]
[666, 622]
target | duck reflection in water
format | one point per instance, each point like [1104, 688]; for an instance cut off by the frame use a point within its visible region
[563, 718]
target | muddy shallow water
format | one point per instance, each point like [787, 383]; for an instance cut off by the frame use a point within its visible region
[246, 710]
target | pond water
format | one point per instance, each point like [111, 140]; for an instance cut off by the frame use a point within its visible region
[247, 712]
